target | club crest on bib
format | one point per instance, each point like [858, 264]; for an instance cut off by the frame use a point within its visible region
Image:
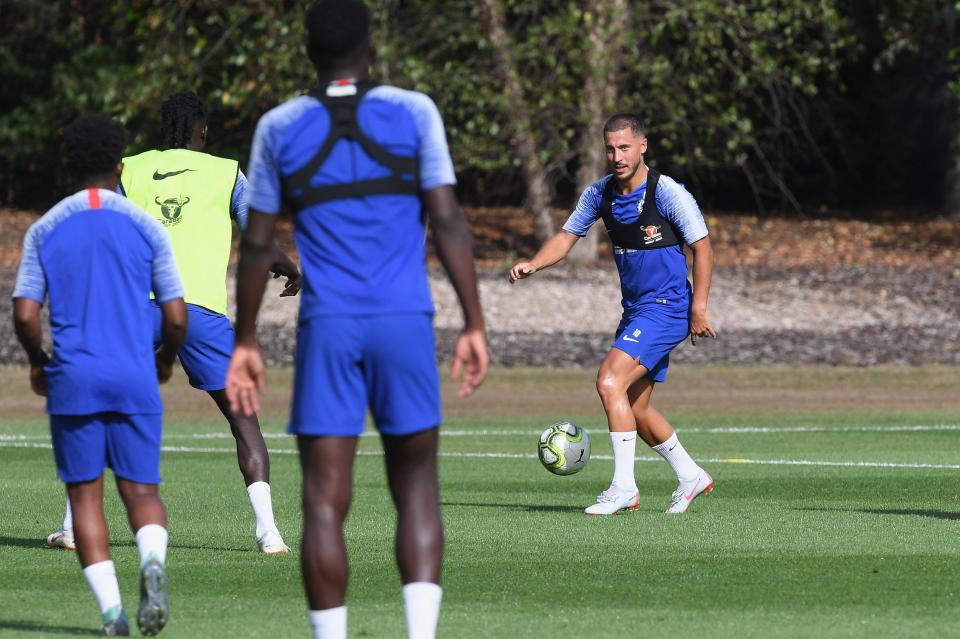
[652, 234]
[171, 209]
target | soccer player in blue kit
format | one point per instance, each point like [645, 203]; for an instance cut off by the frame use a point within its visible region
[649, 218]
[97, 257]
[360, 166]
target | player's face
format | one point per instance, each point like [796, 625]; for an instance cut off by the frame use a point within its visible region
[625, 152]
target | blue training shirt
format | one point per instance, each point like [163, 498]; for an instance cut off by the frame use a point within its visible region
[364, 255]
[98, 256]
[654, 276]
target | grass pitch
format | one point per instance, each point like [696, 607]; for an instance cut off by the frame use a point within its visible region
[836, 514]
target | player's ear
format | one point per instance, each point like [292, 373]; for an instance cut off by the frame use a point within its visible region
[118, 170]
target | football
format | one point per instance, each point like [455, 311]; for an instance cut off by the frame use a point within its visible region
[564, 448]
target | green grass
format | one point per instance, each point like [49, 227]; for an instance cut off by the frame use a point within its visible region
[775, 551]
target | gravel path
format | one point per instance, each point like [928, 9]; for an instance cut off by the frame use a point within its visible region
[565, 317]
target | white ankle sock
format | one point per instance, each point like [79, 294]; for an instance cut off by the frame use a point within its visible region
[330, 623]
[262, 502]
[678, 458]
[624, 451]
[152, 542]
[67, 518]
[421, 601]
[102, 577]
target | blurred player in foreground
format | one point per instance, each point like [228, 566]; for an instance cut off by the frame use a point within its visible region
[195, 196]
[359, 165]
[649, 218]
[98, 257]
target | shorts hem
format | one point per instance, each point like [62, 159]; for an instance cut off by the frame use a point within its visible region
[208, 387]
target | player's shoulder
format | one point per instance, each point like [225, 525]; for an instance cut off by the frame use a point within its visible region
[286, 113]
[668, 186]
[138, 157]
[595, 190]
[413, 101]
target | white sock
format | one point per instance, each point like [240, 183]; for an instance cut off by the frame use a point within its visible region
[152, 543]
[67, 518]
[421, 601]
[102, 577]
[624, 451]
[330, 623]
[262, 502]
[678, 458]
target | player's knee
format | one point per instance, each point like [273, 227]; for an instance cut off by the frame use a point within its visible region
[608, 385]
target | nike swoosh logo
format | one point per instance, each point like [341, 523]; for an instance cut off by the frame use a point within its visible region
[692, 492]
[630, 339]
[157, 175]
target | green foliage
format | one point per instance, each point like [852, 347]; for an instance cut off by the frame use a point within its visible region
[746, 89]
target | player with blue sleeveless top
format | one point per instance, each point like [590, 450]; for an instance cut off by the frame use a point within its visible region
[361, 166]
[649, 217]
[97, 257]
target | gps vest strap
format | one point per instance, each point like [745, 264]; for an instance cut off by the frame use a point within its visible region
[299, 194]
[650, 231]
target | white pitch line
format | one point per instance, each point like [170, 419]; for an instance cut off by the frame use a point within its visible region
[732, 430]
[719, 460]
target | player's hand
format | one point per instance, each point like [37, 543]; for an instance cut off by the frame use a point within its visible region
[471, 358]
[245, 379]
[164, 368]
[292, 286]
[700, 326]
[38, 380]
[522, 270]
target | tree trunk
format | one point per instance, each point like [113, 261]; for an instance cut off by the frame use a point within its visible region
[605, 21]
[538, 200]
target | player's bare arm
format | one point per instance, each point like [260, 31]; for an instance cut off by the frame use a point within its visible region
[702, 276]
[26, 321]
[555, 249]
[284, 266]
[455, 250]
[173, 329]
[245, 376]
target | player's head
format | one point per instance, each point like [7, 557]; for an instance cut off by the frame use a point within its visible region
[183, 121]
[93, 147]
[338, 34]
[625, 139]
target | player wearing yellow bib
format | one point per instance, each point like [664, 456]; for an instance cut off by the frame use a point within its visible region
[195, 196]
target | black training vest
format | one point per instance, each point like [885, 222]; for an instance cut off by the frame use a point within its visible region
[298, 193]
[650, 231]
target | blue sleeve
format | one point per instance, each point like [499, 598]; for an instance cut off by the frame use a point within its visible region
[239, 208]
[436, 165]
[264, 191]
[31, 280]
[678, 206]
[165, 277]
[588, 210]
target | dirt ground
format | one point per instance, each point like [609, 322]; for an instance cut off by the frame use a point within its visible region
[554, 393]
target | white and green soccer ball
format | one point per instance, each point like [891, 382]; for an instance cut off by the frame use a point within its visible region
[564, 448]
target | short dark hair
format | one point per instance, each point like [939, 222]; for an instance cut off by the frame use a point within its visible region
[180, 114]
[93, 145]
[336, 29]
[621, 121]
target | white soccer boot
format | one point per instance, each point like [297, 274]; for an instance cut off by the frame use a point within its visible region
[271, 543]
[687, 491]
[615, 499]
[62, 539]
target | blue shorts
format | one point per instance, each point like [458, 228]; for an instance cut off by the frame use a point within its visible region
[649, 336]
[206, 349]
[346, 364]
[84, 445]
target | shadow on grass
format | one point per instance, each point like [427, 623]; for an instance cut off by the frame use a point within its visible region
[524, 507]
[27, 626]
[30, 542]
[909, 512]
